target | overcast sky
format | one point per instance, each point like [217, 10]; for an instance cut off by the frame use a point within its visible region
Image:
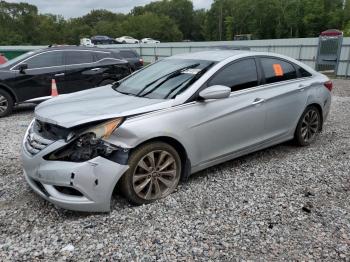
[75, 8]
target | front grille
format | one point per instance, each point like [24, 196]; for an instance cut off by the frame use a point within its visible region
[34, 143]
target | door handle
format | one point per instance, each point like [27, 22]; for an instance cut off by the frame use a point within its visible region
[59, 74]
[258, 101]
[96, 69]
[301, 87]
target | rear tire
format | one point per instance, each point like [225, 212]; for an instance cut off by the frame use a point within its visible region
[6, 103]
[308, 126]
[154, 173]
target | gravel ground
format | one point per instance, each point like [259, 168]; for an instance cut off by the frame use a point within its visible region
[281, 203]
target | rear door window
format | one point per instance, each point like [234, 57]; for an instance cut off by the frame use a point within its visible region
[48, 59]
[78, 57]
[277, 70]
[302, 72]
[127, 54]
[102, 55]
[239, 75]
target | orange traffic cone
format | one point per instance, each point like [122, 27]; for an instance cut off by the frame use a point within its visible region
[54, 91]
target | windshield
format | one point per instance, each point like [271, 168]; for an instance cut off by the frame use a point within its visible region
[165, 79]
[17, 59]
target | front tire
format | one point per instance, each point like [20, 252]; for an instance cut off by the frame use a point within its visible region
[154, 173]
[308, 126]
[6, 103]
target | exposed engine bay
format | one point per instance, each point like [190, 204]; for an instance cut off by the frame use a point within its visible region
[84, 142]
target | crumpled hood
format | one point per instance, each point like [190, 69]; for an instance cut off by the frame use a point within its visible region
[93, 105]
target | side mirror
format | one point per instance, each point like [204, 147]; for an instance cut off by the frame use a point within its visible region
[22, 68]
[215, 92]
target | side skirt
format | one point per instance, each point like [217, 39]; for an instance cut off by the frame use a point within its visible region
[242, 152]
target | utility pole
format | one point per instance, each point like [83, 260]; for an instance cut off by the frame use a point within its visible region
[220, 23]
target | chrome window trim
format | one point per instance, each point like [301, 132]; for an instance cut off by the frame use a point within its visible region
[262, 86]
[96, 61]
[35, 55]
[232, 94]
[196, 86]
[50, 51]
[270, 85]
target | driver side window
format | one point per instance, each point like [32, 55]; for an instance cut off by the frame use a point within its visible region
[239, 75]
[48, 59]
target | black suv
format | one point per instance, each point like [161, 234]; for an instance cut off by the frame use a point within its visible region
[103, 40]
[28, 78]
[134, 59]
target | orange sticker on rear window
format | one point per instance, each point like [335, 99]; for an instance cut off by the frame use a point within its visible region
[278, 69]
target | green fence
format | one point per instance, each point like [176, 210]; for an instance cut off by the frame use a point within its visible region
[12, 54]
[302, 49]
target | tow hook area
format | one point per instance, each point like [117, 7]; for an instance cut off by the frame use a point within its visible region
[71, 179]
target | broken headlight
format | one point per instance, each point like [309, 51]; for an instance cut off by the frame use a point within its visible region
[88, 144]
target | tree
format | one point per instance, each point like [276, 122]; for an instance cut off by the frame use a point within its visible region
[229, 27]
[151, 25]
[52, 30]
[15, 20]
[198, 26]
[274, 18]
[347, 29]
[346, 15]
[181, 11]
[174, 20]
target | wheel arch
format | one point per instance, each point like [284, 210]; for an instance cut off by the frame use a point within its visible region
[8, 90]
[320, 110]
[185, 161]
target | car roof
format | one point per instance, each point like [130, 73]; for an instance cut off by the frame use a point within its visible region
[72, 47]
[212, 55]
[220, 55]
[80, 48]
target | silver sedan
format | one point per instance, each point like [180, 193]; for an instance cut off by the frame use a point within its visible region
[185, 113]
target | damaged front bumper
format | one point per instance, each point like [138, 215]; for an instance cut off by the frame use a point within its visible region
[86, 186]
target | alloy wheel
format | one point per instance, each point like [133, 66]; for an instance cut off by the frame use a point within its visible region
[155, 175]
[310, 125]
[3, 104]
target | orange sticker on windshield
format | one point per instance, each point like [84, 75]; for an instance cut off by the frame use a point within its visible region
[278, 69]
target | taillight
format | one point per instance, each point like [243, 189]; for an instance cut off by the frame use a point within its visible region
[329, 85]
[141, 61]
